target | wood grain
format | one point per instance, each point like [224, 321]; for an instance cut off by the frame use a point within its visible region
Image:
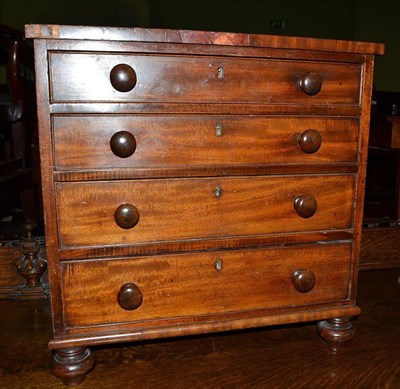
[366, 94]
[186, 285]
[196, 198]
[227, 242]
[207, 171]
[380, 247]
[278, 357]
[51, 31]
[182, 79]
[199, 49]
[47, 181]
[11, 281]
[204, 109]
[246, 206]
[83, 142]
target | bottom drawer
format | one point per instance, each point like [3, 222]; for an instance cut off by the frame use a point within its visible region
[127, 290]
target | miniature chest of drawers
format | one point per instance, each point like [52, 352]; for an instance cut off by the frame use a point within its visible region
[196, 182]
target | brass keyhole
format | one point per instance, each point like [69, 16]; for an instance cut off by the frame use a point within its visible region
[218, 129]
[218, 191]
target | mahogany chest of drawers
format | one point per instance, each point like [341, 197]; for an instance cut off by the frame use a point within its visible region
[197, 182]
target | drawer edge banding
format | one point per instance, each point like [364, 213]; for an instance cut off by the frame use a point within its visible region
[194, 172]
[96, 107]
[229, 243]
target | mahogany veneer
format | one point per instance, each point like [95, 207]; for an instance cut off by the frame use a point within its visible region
[197, 182]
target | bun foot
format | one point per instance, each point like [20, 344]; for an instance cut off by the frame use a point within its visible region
[336, 332]
[72, 365]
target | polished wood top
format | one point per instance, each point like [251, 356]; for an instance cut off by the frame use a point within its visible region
[52, 31]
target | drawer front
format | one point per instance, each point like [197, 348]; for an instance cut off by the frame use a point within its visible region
[86, 77]
[90, 142]
[195, 284]
[176, 209]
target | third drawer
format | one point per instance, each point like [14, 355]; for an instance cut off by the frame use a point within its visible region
[142, 211]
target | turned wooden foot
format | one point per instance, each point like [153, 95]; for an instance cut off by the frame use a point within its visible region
[336, 331]
[72, 365]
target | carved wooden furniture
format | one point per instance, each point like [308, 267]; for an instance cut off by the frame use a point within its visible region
[197, 182]
[23, 267]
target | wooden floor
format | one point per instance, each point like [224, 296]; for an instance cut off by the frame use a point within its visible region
[278, 357]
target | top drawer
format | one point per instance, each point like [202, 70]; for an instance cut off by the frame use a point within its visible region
[89, 77]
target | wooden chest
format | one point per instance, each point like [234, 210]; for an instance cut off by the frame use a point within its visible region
[197, 182]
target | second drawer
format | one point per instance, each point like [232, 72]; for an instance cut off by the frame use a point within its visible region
[134, 141]
[129, 212]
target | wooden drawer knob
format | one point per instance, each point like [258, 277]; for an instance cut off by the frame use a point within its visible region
[310, 141]
[310, 83]
[305, 205]
[303, 280]
[123, 77]
[123, 144]
[126, 216]
[130, 297]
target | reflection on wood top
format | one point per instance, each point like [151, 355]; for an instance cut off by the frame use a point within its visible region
[51, 31]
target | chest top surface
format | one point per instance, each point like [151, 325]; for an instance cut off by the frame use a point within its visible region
[50, 31]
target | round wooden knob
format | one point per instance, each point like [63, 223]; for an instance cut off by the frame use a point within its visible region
[310, 141]
[305, 205]
[130, 297]
[126, 216]
[123, 144]
[303, 280]
[310, 83]
[123, 77]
